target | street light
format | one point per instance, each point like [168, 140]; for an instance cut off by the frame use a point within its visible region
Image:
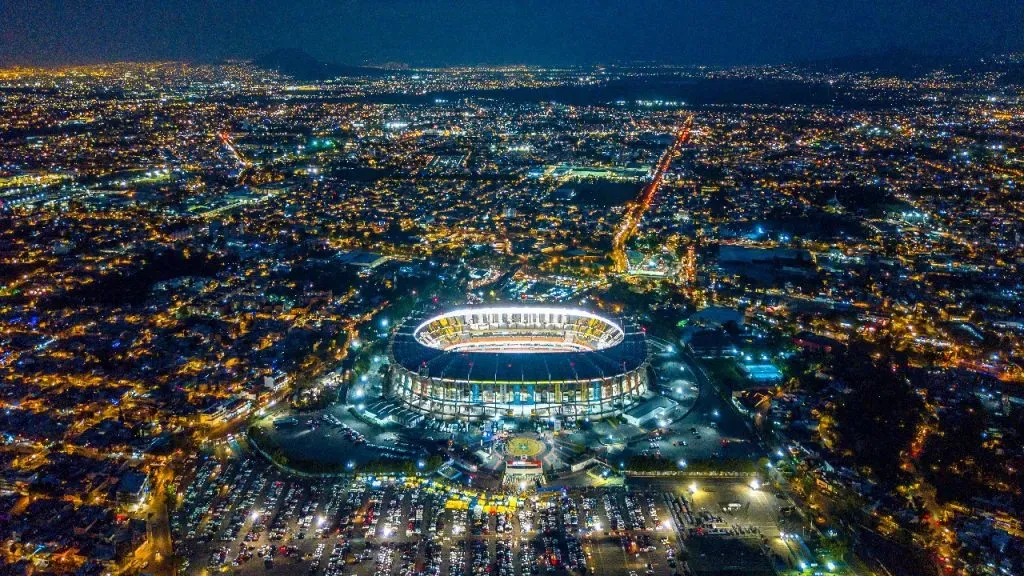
[693, 488]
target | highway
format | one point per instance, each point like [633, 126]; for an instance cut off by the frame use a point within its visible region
[635, 212]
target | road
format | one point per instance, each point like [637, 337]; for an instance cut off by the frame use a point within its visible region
[155, 556]
[635, 212]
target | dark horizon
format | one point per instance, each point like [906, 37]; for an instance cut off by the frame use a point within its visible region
[732, 32]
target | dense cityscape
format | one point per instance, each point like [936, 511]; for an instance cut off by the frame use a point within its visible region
[618, 319]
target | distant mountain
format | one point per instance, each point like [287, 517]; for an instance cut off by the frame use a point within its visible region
[303, 66]
[896, 62]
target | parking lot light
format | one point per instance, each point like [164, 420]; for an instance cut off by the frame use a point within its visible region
[693, 488]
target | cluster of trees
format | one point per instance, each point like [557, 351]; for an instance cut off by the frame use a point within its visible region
[877, 421]
[132, 284]
[955, 459]
[306, 402]
[654, 464]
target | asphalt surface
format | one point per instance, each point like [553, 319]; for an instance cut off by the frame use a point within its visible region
[239, 513]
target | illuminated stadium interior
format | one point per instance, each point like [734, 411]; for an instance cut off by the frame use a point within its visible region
[509, 330]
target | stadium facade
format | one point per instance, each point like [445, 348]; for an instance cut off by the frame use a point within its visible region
[517, 361]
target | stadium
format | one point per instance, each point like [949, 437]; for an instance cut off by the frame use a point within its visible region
[517, 361]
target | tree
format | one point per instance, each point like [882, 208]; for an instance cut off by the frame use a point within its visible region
[878, 419]
[954, 458]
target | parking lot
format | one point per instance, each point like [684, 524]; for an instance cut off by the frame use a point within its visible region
[243, 516]
[734, 525]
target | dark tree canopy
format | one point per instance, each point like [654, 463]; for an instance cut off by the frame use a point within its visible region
[877, 420]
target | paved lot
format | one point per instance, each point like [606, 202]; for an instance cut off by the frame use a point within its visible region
[245, 517]
[728, 526]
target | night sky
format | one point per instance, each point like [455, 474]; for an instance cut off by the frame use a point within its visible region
[428, 32]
